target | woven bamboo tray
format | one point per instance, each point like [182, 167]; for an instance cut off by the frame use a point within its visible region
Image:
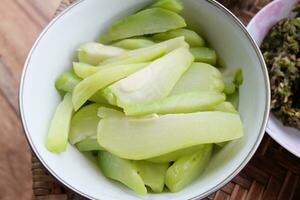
[273, 173]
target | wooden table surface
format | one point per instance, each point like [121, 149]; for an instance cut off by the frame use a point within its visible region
[20, 23]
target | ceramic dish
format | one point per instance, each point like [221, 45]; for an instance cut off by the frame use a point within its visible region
[258, 27]
[84, 21]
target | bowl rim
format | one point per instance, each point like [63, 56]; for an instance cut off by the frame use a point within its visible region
[273, 132]
[208, 192]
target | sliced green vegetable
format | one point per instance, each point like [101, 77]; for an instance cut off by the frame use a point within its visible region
[89, 144]
[141, 23]
[199, 77]
[109, 97]
[222, 144]
[84, 70]
[225, 107]
[67, 81]
[57, 138]
[104, 112]
[172, 5]
[233, 78]
[205, 55]
[153, 82]
[93, 53]
[153, 174]
[121, 170]
[98, 98]
[187, 169]
[191, 37]
[125, 136]
[148, 53]
[182, 103]
[233, 99]
[90, 85]
[175, 155]
[84, 123]
[133, 43]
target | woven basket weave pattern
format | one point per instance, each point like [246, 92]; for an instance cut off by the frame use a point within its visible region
[273, 173]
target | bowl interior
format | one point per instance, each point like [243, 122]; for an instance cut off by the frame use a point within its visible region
[258, 28]
[54, 51]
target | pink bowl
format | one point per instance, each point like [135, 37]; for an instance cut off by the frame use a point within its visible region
[258, 27]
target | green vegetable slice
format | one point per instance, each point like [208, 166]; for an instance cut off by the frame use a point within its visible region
[172, 5]
[90, 85]
[84, 70]
[225, 107]
[84, 123]
[141, 23]
[205, 55]
[199, 77]
[60, 124]
[104, 112]
[93, 53]
[153, 174]
[191, 37]
[67, 81]
[182, 103]
[175, 155]
[233, 99]
[154, 81]
[133, 43]
[121, 170]
[222, 144]
[186, 169]
[89, 144]
[143, 138]
[148, 53]
[233, 78]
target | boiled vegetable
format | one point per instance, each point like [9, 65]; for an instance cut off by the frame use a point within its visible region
[89, 144]
[121, 170]
[84, 70]
[233, 99]
[154, 81]
[148, 53]
[67, 81]
[205, 55]
[141, 23]
[93, 53]
[57, 138]
[125, 137]
[90, 85]
[84, 123]
[233, 78]
[199, 77]
[191, 37]
[175, 155]
[104, 112]
[225, 107]
[153, 174]
[172, 5]
[133, 43]
[186, 169]
[182, 103]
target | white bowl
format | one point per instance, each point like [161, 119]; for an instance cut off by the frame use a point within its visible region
[52, 54]
[258, 27]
